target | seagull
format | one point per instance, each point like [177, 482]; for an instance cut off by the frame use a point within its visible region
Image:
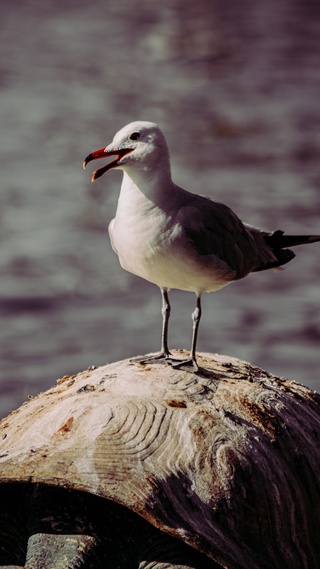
[177, 239]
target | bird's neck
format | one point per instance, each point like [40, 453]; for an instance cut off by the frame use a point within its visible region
[149, 185]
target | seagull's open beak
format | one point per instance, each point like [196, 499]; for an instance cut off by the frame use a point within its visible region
[104, 153]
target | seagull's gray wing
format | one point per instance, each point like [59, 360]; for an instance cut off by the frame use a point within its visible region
[212, 228]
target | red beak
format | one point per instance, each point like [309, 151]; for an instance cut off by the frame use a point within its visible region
[103, 153]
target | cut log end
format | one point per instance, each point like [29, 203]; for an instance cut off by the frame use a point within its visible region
[226, 460]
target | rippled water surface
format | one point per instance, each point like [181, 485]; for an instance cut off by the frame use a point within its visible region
[236, 89]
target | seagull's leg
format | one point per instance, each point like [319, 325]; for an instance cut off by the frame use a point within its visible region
[196, 316]
[164, 353]
[165, 311]
[192, 361]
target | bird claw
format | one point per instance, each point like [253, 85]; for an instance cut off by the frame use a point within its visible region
[185, 363]
[158, 358]
[166, 358]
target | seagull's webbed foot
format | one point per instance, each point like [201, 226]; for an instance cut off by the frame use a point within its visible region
[168, 359]
[191, 362]
[157, 358]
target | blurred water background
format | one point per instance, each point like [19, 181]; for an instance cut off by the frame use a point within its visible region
[236, 88]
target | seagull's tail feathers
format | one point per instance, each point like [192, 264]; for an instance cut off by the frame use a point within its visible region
[278, 242]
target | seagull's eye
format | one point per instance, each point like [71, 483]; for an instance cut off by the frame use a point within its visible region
[135, 136]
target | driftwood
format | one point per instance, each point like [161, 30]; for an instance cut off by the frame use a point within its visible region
[226, 460]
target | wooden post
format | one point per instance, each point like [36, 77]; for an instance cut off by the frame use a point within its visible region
[226, 460]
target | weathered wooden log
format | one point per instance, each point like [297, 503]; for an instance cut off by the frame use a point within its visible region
[225, 461]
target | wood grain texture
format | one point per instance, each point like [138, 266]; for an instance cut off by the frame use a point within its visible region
[227, 461]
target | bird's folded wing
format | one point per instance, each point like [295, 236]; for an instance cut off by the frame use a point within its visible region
[214, 229]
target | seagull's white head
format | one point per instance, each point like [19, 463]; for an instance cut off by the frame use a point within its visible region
[138, 146]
